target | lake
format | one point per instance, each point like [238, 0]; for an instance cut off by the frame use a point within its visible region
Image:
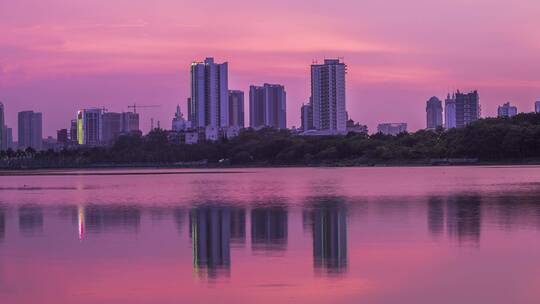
[291, 235]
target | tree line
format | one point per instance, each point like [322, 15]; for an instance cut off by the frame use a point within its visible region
[490, 139]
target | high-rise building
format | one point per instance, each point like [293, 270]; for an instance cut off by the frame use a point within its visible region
[62, 136]
[89, 126]
[537, 106]
[467, 108]
[8, 132]
[450, 112]
[209, 94]
[506, 110]
[306, 116]
[130, 122]
[30, 130]
[328, 96]
[111, 127]
[3, 142]
[392, 128]
[434, 113]
[236, 108]
[268, 106]
[73, 131]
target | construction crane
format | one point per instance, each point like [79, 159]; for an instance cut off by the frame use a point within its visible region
[135, 106]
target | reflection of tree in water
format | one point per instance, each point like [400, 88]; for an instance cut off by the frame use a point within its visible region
[269, 228]
[329, 232]
[210, 236]
[30, 219]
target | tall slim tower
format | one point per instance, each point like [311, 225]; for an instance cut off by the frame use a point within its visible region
[467, 108]
[236, 108]
[434, 113]
[450, 112]
[209, 94]
[268, 106]
[30, 130]
[89, 126]
[328, 95]
[3, 141]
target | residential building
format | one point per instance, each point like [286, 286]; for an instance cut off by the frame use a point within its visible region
[306, 117]
[111, 127]
[434, 113]
[506, 110]
[8, 135]
[450, 112]
[467, 108]
[62, 136]
[268, 106]
[392, 128]
[130, 122]
[3, 140]
[30, 130]
[354, 127]
[209, 105]
[328, 96]
[236, 108]
[89, 126]
[73, 131]
[537, 107]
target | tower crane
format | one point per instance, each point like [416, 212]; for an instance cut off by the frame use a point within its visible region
[135, 106]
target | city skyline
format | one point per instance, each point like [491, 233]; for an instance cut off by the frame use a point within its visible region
[74, 58]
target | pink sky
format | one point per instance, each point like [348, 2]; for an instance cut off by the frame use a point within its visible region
[57, 56]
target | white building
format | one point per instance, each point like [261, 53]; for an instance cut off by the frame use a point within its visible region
[506, 110]
[209, 94]
[178, 122]
[328, 96]
[89, 126]
[392, 128]
[450, 112]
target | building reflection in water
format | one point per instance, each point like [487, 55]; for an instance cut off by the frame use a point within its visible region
[463, 215]
[329, 232]
[436, 216]
[269, 228]
[179, 218]
[210, 237]
[238, 226]
[2, 223]
[30, 220]
[108, 218]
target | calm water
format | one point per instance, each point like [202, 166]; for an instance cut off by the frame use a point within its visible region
[354, 235]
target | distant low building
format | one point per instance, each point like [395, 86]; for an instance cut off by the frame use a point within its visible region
[179, 123]
[211, 133]
[306, 117]
[392, 128]
[191, 137]
[62, 137]
[507, 110]
[537, 106]
[356, 127]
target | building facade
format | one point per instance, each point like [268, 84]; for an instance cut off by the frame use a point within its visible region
[450, 112]
[30, 130]
[268, 106]
[62, 137]
[434, 113]
[467, 108]
[306, 117]
[507, 110]
[89, 126]
[3, 140]
[328, 96]
[179, 123]
[209, 102]
[130, 122]
[537, 107]
[236, 108]
[111, 127]
[392, 128]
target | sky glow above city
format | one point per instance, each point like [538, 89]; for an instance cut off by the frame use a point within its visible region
[57, 56]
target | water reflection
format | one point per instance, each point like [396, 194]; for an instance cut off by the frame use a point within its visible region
[329, 232]
[436, 216]
[464, 218]
[98, 218]
[210, 237]
[269, 228]
[30, 220]
[238, 226]
[2, 223]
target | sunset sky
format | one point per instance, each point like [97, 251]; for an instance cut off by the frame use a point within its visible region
[57, 56]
